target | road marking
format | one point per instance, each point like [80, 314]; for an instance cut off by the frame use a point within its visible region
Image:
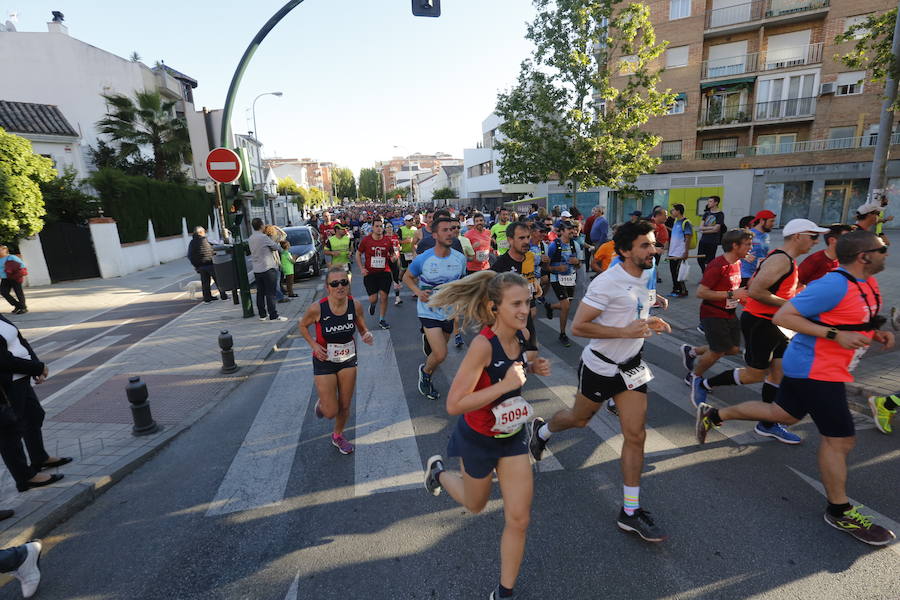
[879, 518]
[387, 456]
[259, 473]
[73, 357]
[101, 334]
[294, 589]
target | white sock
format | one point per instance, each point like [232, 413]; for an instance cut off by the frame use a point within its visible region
[632, 499]
[544, 432]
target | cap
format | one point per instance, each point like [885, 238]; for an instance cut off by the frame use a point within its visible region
[635, 213]
[408, 218]
[802, 226]
[340, 225]
[565, 213]
[566, 225]
[764, 214]
[869, 208]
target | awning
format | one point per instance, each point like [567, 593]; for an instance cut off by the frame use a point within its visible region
[726, 82]
[681, 96]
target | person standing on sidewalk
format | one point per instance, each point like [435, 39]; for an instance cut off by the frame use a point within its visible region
[679, 244]
[12, 274]
[287, 268]
[200, 254]
[263, 251]
[762, 224]
[836, 318]
[712, 228]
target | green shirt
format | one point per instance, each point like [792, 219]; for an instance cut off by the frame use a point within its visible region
[341, 245]
[498, 232]
[287, 263]
[407, 232]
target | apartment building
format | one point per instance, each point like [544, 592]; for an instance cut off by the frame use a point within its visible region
[400, 170]
[765, 117]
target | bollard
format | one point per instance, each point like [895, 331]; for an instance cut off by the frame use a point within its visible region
[226, 343]
[136, 390]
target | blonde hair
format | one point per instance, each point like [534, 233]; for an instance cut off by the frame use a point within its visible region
[469, 298]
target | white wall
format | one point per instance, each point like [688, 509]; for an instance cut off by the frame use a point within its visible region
[64, 152]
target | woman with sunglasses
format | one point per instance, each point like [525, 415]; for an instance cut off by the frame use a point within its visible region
[491, 434]
[337, 317]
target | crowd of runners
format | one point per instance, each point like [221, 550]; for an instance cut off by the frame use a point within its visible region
[802, 328]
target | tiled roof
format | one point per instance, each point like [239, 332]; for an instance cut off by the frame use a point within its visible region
[26, 117]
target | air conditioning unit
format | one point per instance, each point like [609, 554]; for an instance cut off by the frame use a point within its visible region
[827, 88]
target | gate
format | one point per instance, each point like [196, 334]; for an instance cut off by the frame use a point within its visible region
[69, 252]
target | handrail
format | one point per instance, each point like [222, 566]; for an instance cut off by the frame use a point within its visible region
[759, 9]
[822, 145]
[760, 61]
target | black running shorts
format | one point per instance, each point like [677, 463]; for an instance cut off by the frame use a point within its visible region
[763, 341]
[599, 388]
[377, 281]
[824, 401]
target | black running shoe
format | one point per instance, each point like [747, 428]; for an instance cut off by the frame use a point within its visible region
[433, 468]
[535, 444]
[564, 340]
[611, 407]
[549, 310]
[686, 359]
[704, 422]
[642, 524]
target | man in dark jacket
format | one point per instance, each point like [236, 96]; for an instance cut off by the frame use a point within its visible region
[200, 253]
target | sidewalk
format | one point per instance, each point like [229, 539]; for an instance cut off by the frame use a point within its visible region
[91, 420]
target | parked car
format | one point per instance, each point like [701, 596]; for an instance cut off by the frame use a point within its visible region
[307, 248]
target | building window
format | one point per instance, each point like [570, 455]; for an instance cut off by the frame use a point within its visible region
[628, 64]
[790, 200]
[719, 148]
[852, 22]
[841, 137]
[783, 97]
[679, 9]
[778, 143]
[849, 84]
[671, 150]
[485, 168]
[677, 57]
[787, 49]
[678, 107]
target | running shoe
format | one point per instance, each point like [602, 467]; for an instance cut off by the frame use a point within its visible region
[425, 386]
[264, 318]
[564, 340]
[778, 432]
[686, 359]
[397, 301]
[458, 340]
[642, 524]
[688, 379]
[611, 407]
[861, 527]
[704, 422]
[881, 414]
[549, 309]
[372, 308]
[426, 347]
[383, 324]
[700, 330]
[698, 391]
[29, 572]
[343, 446]
[433, 468]
[535, 444]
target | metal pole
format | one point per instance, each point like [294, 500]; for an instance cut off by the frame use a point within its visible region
[885, 126]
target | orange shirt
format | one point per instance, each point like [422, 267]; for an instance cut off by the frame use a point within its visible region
[604, 254]
[481, 244]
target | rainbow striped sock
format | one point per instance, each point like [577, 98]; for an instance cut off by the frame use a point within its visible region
[631, 503]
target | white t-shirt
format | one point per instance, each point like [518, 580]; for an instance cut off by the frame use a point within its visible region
[15, 347]
[622, 298]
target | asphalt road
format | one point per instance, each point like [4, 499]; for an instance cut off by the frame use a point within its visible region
[743, 514]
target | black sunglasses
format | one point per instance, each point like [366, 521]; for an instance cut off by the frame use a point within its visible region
[881, 250]
[812, 236]
[339, 282]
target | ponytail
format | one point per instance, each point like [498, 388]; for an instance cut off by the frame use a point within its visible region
[470, 298]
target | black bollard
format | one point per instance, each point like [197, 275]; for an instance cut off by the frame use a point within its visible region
[226, 343]
[136, 390]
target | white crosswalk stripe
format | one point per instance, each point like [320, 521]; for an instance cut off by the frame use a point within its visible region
[294, 590]
[41, 349]
[259, 473]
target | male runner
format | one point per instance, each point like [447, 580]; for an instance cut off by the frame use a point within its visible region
[423, 233]
[563, 253]
[481, 244]
[520, 259]
[836, 318]
[407, 245]
[326, 227]
[373, 258]
[614, 315]
[824, 261]
[338, 247]
[434, 267]
[762, 223]
[773, 284]
[498, 232]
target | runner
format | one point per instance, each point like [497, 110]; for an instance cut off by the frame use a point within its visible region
[487, 393]
[520, 259]
[434, 267]
[819, 263]
[563, 253]
[481, 243]
[721, 293]
[762, 224]
[373, 259]
[423, 233]
[498, 232]
[836, 318]
[326, 227]
[394, 263]
[336, 317]
[773, 284]
[614, 315]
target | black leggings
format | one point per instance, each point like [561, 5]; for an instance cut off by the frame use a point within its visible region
[395, 272]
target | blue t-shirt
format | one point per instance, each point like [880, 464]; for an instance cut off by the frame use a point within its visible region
[759, 250]
[560, 254]
[600, 231]
[397, 222]
[434, 271]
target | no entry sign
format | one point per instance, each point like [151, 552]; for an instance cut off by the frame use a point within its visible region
[223, 165]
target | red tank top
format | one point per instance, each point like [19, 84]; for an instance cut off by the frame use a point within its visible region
[785, 287]
[482, 419]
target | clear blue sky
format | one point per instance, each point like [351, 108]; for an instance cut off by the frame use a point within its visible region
[358, 76]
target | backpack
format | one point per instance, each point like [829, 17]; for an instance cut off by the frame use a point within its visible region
[15, 271]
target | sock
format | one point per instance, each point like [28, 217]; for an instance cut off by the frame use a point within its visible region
[769, 392]
[731, 377]
[714, 417]
[892, 402]
[504, 592]
[631, 503]
[544, 432]
[838, 510]
[692, 353]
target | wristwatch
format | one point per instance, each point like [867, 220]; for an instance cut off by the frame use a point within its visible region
[730, 294]
[831, 333]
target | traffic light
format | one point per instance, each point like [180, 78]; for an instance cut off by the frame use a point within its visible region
[426, 8]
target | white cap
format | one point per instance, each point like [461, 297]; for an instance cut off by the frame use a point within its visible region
[869, 208]
[470, 222]
[802, 226]
[408, 218]
[565, 213]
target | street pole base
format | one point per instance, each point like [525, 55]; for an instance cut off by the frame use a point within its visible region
[230, 369]
[146, 429]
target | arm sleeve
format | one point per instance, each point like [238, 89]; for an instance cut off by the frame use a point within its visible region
[821, 295]
[415, 267]
[711, 278]
[720, 221]
[596, 296]
[13, 364]
[687, 228]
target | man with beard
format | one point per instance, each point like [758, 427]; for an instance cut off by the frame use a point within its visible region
[762, 224]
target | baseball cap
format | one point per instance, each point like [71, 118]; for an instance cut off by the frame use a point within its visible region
[565, 213]
[764, 214]
[802, 226]
[566, 225]
[339, 225]
[635, 213]
[869, 208]
[408, 218]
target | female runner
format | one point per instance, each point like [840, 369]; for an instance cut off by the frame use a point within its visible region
[487, 392]
[337, 318]
[395, 258]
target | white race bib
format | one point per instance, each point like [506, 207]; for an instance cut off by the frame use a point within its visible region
[731, 303]
[788, 333]
[636, 377]
[503, 244]
[377, 262]
[481, 255]
[651, 295]
[857, 354]
[341, 352]
[531, 287]
[567, 280]
[511, 414]
[409, 255]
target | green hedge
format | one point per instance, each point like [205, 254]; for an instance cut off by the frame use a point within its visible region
[131, 201]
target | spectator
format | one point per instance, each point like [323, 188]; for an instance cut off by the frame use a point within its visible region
[599, 228]
[263, 251]
[712, 228]
[679, 244]
[200, 254]
[12, 274]
[287, 268]
[635, 216]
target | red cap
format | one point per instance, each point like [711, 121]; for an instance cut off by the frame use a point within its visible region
[764, 214]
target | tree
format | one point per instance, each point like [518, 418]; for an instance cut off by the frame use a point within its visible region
[104, 156]
[288, 187]
[370, 184]
[343, 183]
[21, 173]
[403, 192]
[444, 193]
[553, 128]
[64, 200]
[872, 49]
[135, 57]
[150, 122]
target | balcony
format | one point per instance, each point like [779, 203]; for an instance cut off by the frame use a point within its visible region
[722, 117]
[759, 62]
[750, 15]
[854, 143]
[794, 109]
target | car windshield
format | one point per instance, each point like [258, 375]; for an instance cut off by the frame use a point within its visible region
[299, 237]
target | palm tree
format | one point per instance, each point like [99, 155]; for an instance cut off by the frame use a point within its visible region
[151, 122]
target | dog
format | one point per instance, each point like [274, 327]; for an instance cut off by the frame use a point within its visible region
[194, 287]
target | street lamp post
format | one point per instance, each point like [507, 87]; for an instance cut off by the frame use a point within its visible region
[259, 150]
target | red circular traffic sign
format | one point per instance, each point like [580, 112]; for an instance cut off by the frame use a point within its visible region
[223, 165]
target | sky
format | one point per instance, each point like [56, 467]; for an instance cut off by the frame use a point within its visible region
[358, 76]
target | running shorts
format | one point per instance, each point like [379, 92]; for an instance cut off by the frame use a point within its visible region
[378, 281]
[326, 367]
[599, 388]
[563, 292]
[404, 264]
[445, 326]
[480, 453]
[763, 341]
[824, 401]
[721, 334]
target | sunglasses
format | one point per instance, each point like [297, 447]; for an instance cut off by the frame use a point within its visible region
[881, 250]
[812, 236]
[339, 283]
